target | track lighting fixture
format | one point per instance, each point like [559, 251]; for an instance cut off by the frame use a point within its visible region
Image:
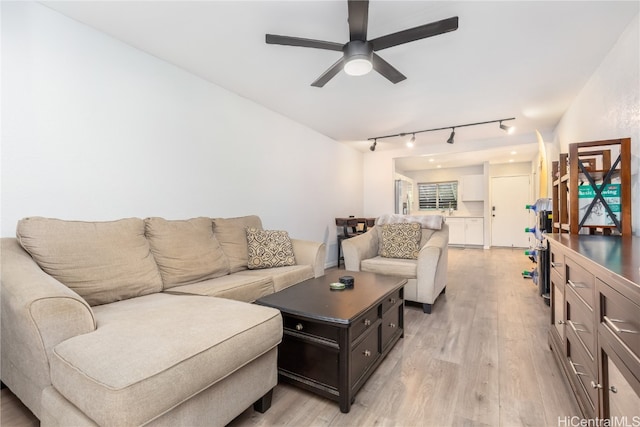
[506, 128]
[453, 133]
[411, 142]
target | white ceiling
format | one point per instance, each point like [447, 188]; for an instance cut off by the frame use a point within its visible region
[507, 59]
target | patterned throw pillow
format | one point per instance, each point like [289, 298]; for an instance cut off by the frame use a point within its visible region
[400, 240]
[269, 248]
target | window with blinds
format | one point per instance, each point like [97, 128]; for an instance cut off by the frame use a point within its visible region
[438, 195]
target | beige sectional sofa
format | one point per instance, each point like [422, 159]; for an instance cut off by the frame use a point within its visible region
[426, 275]
[144, 322]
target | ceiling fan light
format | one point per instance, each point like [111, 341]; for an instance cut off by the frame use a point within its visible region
[358, 66]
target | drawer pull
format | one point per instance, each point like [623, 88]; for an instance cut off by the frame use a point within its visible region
[576, 285]
[561, 322]
[556, 264]
[575, 371]
[299, 327]
[366, 353]
[612, 324]
[392, 300]
[613, 389]
[594, 385]
[367, 322]
[392, 325]
[573, 326]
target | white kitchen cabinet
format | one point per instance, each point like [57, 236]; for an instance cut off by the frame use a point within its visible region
[473, 188]
[474, 231]
[456, 231]
[466, 231]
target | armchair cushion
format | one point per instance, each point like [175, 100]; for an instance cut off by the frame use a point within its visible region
[400, 240]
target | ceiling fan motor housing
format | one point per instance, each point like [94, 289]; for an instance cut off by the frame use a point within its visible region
[358, 57]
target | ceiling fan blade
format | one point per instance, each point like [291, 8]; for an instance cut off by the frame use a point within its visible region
[417, 33]
[298, 41]
[387, 70]
[358, 19]
[329, 74]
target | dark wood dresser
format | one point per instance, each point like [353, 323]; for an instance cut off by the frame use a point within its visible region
[595, 321]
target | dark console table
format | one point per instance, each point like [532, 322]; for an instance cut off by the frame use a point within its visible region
[335, 339]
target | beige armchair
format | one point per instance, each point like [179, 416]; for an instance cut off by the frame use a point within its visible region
[427, 276]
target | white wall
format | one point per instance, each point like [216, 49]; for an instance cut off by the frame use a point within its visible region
[94, 129]
[608, 107]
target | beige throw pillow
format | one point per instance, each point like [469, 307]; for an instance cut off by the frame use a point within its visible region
[186, 250]
[400, 240]
[269, 248]
[101, 261]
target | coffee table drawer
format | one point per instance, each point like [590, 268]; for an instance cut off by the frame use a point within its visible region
[391, 300]
[364, 355]
[310, 328]
[364, 322]
[390, 325]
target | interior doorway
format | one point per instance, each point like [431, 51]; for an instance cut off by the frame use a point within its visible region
[509, 217]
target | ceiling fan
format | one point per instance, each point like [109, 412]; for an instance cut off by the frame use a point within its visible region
[359, 54]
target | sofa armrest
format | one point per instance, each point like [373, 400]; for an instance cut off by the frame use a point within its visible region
[38, 312]
[310, 253]
[356, 249]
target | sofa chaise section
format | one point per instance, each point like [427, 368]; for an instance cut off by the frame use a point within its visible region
[166, 349]
[141, 322]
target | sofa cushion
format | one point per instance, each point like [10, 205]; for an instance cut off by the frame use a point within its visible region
[400, 240]
[406, 268]
[283, 277]
[232, 235]
[236, 286]
[101, 261]
[186, 251]
[152, 353]
[268, 249]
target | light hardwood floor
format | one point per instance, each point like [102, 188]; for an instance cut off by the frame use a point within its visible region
[480, 359]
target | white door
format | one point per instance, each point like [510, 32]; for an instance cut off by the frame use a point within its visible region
[509, 217]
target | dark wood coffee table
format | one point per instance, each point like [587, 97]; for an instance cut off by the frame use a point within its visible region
[335, 339]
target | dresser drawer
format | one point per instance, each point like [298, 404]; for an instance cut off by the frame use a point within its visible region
[391, 300]
[556, 261]
[581, 374]
[557, 307]
[364, 323]
[581, 320]
[390, 325]
[620, 316]
[292, 324]
[580, 280]
[364, 355]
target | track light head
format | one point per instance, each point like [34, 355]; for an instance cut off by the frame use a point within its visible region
[373, 146]
[411, 142]
[507, 128]
[453, 134]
